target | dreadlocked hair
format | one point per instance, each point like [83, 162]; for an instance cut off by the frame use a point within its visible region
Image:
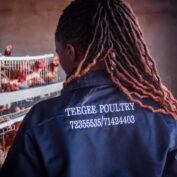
[107, 30]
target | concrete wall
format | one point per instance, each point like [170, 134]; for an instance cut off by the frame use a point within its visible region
[29, 25]
[158, 20]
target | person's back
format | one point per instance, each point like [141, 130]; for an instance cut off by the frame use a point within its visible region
[114, 117]
[93, 130]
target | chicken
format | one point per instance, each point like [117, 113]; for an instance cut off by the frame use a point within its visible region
[4, 81]
[10, 87]
[12, 81]
[34, 78]
[52, 70]
[16, 75]
[7, 140]
[8, 50]
[5, 107]
[4, 77]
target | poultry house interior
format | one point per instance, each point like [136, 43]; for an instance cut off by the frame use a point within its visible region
[27, 29]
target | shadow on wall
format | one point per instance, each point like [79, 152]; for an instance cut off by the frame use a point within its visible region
[30, 25]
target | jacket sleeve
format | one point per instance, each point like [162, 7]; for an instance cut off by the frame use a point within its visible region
[23, 159]
[171, 165]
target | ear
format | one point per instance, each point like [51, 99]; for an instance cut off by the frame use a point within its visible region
[71, 52]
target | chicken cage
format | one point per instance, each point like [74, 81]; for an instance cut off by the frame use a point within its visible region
[24, 72]
[24, 81]
[10, 120]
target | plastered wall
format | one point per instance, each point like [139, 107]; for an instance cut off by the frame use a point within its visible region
[29, 25]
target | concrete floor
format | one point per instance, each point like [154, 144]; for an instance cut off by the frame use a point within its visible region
[30, 25]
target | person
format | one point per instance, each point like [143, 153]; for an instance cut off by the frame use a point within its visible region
[114, 116]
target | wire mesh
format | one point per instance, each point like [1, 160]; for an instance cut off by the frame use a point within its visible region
[20, 74]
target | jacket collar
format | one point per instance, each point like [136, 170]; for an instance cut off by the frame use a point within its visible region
[90, 79]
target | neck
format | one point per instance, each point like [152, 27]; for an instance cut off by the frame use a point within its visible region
[99, 66]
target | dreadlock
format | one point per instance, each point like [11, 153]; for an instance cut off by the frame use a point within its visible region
[107, 30]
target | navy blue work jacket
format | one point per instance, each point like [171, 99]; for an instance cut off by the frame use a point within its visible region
[93, 130]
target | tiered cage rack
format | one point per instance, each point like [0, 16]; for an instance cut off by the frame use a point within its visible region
[25, 96]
